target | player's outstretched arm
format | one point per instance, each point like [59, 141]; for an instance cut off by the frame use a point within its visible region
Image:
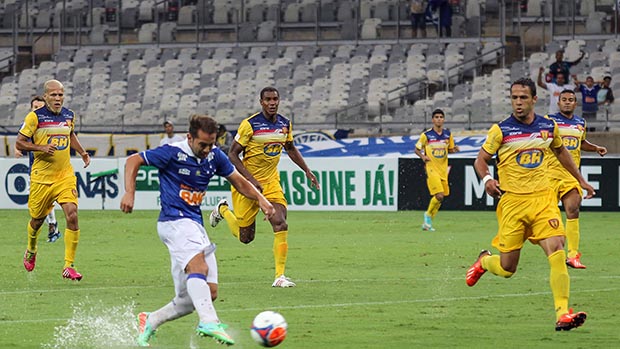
[295, 155]
[587, 146]
[567, 161]
[131, 172]
[248, 190]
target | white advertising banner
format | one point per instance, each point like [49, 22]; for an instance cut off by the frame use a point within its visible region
[347, 184]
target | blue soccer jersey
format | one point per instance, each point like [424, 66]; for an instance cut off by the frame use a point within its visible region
[183, 178]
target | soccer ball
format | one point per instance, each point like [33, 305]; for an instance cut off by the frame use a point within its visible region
[269, 328]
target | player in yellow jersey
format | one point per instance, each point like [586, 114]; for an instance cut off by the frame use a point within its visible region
[527, 209]
[260, 139]
[53, 234]
[573, 132]
[433, 148]
[48, 132]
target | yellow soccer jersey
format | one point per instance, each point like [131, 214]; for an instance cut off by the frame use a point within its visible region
[263, 141]
[45, 127]
[521, 151]
[572, 131]
[436, 147]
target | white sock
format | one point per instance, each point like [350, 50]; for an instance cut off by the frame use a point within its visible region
[177, 308]
[51, 218]
[200, 293]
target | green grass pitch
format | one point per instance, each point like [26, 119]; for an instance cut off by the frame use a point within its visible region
[365, 280]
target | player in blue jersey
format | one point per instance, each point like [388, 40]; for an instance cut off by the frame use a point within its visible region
[53, 233]
[433, 148]
[185, 169]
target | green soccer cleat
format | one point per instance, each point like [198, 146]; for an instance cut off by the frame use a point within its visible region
[145, 331]
[216, 331]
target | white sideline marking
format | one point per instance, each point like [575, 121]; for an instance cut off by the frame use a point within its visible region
[356, 304]
[236, 283]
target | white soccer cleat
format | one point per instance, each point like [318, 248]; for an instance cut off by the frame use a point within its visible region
[283, 281]
[215, 217]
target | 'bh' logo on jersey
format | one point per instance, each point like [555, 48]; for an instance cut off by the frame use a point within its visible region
[570, 142]
[530, 158]
[60, 141]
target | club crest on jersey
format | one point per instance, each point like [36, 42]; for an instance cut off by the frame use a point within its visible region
[181, 156]
[554, 223]
[60, 141]
[530, 158]
[544, 135]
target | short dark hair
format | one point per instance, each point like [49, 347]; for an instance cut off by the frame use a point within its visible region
[438, 111]
[36, 99]
[268, 89]
[526, 82]
[568, 91]
[202, 122]
[607, 77]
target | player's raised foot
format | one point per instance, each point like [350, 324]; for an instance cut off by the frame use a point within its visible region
[428, 223]
[145, 331]
[215, 217]
[570, 320]
[71, 274]
[216, 331]
[53, 232]
[30, 259]
[283, 281]
[475, 272]
[575, 262]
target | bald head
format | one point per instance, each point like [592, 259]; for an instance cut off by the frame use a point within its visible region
[54, 95]
[52, 85]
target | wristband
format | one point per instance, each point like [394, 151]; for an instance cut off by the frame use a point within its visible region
[486, 179]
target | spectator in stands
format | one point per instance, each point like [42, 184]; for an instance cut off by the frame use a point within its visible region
[589, 92]
[418, 18]
[224, 139]
[554, 89]
[170, 136]
[605, 94]
[445, 16]
[560, 66]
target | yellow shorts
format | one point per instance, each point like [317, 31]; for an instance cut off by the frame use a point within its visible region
[562, 186]
[42, 196]
[532, 217]
[436, 184]
[247, 209]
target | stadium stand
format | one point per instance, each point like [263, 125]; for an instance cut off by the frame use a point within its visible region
[370, 78]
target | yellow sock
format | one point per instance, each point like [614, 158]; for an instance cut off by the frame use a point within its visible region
[280, 250]
[572, 235]
[71, 242]
[433, 207]
[493, 264]
[559, 281]
[32, 238]
[230, 218]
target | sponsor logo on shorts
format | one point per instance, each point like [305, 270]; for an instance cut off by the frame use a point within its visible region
[554, 223]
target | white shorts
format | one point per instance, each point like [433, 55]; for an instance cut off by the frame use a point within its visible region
[185, 239]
